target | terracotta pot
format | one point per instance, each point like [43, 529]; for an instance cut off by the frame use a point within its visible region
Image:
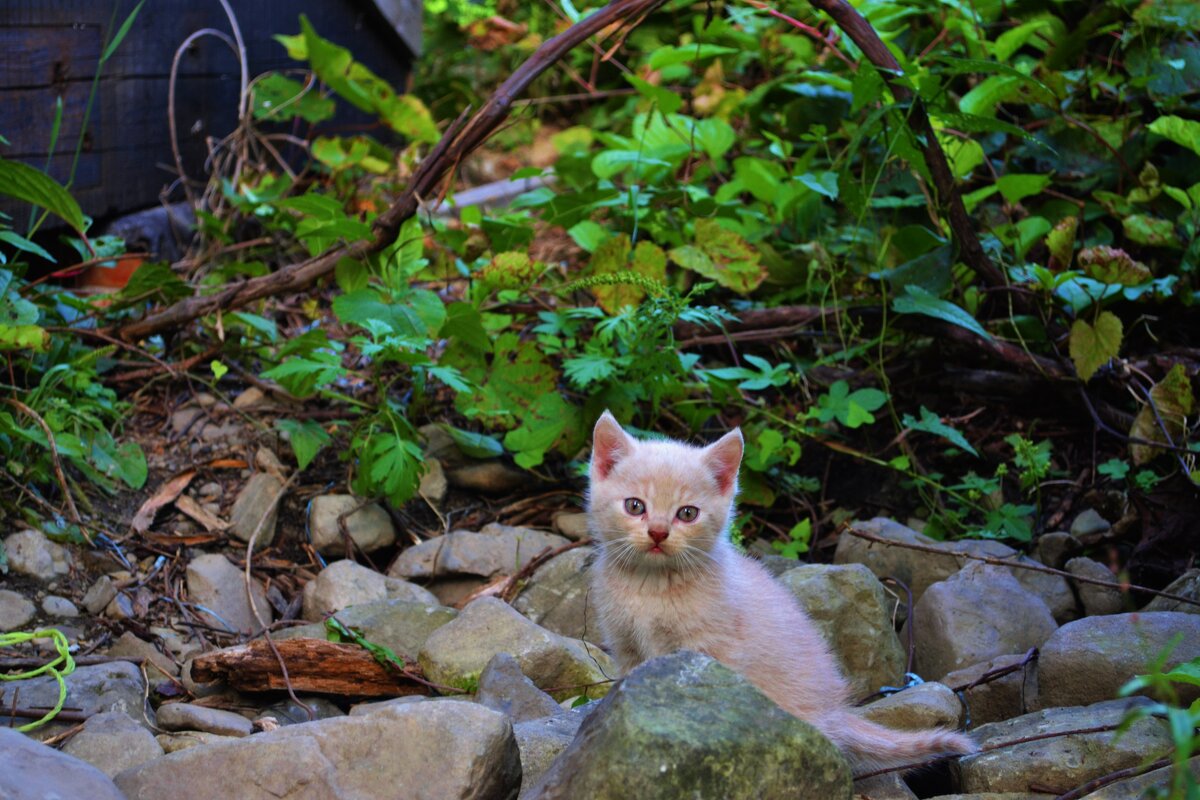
[110, 279]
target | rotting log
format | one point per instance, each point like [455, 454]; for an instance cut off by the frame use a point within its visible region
[313, 665]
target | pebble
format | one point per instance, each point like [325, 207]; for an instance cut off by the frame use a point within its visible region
[256, 509]
[99, 594]
[188, 717]
[57, 606]
[1088, 523]
[31, 553]
[370, 527]
[15, 610]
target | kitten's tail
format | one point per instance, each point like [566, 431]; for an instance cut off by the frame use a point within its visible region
[870, 746]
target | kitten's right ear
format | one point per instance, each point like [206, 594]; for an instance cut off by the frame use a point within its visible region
[610, 443]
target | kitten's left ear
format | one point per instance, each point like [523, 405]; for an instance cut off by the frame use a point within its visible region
[723, 457]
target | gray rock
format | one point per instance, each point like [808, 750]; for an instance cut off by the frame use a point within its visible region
[91, 690]
[919, 569]
[400, 589]
[249, 398]
[685, 726]
[370, 527]
[1061, 761]
[340, 585]
[256, 504]
[1136, 788]
[99, 595]
[992, 796]
[1055, 547]
[853, 613]
[398, 625]
[174, 742]
[926, 705]
[113, 741]
[889, 786]
[433, 486]
[288, 712]
[15, 610]
[1096, 599]
[1092, 658]
[979, 613]
[188, 717]
[441, 445]
[489, 477]
[571, 524]
[504, 688]
[1089, 522]
[31, 553]
[556, 596]
[455, 654]
[1186, 585]
[1001, 698]
[158, 666]
[57, 606]
[183, 419]
[120, 607]
[493, 551]
[33, 771]
[219, 586]
[444, 749]
[362, 709]
[541, 741]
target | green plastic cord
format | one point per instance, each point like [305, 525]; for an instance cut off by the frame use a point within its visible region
[64, 658]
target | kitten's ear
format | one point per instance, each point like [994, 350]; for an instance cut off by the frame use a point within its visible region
[723, 457]
[610, 443]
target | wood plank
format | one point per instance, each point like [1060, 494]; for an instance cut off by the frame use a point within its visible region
[314, 665]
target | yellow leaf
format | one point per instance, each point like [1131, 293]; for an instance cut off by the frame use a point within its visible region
[1093, 346]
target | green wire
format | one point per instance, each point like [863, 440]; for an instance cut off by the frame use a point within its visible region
[64, 658]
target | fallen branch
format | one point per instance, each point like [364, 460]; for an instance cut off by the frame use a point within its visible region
[1001, 562]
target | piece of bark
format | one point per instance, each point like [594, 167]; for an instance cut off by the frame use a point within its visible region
[313, 665]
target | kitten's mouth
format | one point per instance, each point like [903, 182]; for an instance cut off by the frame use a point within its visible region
[655, 549]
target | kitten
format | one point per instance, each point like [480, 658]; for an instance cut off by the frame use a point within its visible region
[667, 578]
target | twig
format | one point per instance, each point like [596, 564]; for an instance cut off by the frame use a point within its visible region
[58, 470]
[1000, 562]
[1113, 777]
[508, 592]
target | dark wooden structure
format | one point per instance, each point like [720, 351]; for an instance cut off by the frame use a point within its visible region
[50, 49]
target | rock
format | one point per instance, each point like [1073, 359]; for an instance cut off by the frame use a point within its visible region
[684, 725]
[504, 688]
[489, 477]
[57, 606]
[493, 551]
[573, 525]
[369, 527]
[1090, 659]
[113, 741]
[220, 587]
[889, 786]
[1096, 599]
[257, 499]
[398, 625]
[992, 796]
[853, 613]
[362, 709]
[441, 445]
[33, 771]
[15, 610]
[188, 717]
[1136, 788]
[1055, 547]
[99, 594]
[433, 486]
[926, 705]
[174, 742]
[31, 553]
[557, 593]
[1062, 761]
[158, 666]
[979, 613]
[90, 690]
[541, 741]
[1186, 585]
[288, 712]
[400, 589]
[442, 749]
[120, 607]
[1001, 698]
[249, 398]
[456, 653]
[1089, 523]
[919, 570]
[342, 584]
[183, 419]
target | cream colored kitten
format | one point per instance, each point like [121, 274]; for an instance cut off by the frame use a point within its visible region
[667, 579]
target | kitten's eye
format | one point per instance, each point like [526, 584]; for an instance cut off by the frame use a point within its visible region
[634, 506]
[687, 513]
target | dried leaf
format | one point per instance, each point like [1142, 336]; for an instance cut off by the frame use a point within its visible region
[1172, 398]
[165, 495]
[191, 508]
[1113, 265]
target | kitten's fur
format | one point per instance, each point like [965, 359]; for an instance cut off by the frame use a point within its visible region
[700, 594]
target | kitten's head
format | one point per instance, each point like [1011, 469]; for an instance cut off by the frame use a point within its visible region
[660, 504]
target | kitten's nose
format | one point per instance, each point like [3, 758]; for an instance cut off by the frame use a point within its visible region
[658, 537]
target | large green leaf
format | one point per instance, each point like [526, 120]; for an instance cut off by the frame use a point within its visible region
[34, 186]
[918, 301]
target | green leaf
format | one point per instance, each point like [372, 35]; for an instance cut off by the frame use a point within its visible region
[1183, 132]
[850, 409]
[218, 369]
[667, 101]
[1093, 346]
[302, 376]
[1060, 241]
[723, 256]
[1115, 468]
[588, 235]
[932, 423]
[391, 466]
[34, 186]
[1016, 188]
[1173, 401]
[475, 445]
[24, 337]
[21, 243]
[121, 32]
[131, 464]
[798, 540]
[280, 97]
[1148, 230]
[543, 425]
[918, 301]
[464, 324]
[666, 56]
[823, 183]
[1113, 265]
[589, 368]
[306, 437]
